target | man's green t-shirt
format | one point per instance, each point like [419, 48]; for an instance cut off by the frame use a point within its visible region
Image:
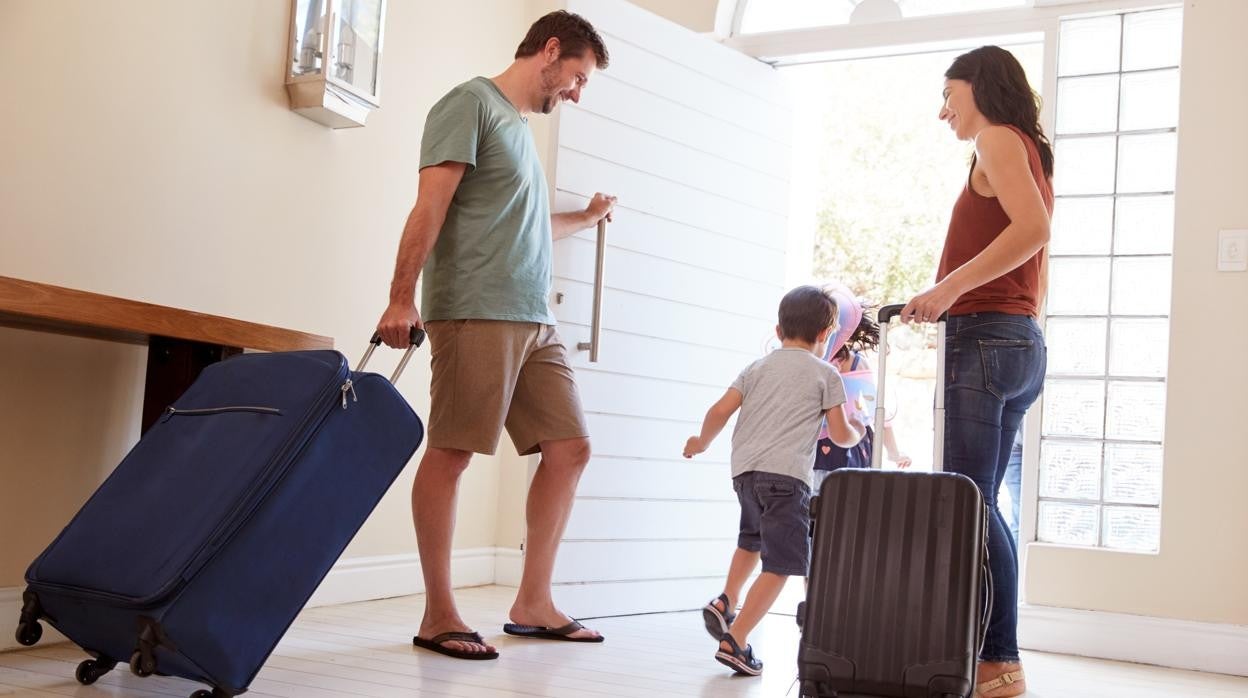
[492, 259]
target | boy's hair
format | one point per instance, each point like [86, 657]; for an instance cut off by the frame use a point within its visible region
[575, 34]
[865, 337]
[805, 312]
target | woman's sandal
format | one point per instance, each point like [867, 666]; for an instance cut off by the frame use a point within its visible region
[1007, 685]
[741, 661]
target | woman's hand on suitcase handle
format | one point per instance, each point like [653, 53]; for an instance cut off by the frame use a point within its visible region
[929, 305]
[400, 326]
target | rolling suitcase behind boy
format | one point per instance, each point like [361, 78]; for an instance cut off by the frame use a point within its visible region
[200, 548]
[899, 567]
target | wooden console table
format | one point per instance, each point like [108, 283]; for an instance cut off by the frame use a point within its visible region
[180, 342]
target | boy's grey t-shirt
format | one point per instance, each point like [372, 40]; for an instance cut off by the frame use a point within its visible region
[784, 397]
[492, 259]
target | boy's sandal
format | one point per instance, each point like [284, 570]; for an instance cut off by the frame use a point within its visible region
[741, 661]
[1006, 685]
[717, 622]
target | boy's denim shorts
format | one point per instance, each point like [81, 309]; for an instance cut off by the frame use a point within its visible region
[775, 521]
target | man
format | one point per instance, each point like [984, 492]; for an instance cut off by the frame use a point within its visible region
[482, 231]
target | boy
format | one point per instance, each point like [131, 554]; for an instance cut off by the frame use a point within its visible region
[783, 398]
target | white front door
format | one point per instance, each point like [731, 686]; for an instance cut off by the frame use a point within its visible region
[693, 139]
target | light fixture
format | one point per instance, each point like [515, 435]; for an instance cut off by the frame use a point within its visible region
[333, 66]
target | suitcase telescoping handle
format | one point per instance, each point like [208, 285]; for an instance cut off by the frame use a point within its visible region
[885, 316]
[416, 338]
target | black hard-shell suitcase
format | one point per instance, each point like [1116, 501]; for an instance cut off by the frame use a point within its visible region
[898, 595]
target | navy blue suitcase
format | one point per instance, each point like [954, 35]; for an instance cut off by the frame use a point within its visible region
[198, 551]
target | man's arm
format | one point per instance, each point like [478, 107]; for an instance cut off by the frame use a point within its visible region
[424, 223]
[569, 223]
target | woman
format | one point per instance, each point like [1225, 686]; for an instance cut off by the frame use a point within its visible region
[991, 280]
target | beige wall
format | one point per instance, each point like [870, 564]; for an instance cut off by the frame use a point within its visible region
[698, 15]
[148, 152]
[1201, 572]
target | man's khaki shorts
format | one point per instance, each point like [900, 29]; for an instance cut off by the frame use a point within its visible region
[488, 374]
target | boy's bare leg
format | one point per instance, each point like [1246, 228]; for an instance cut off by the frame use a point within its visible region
[763, 593]
[434, 493]
[549, 506]
[739, 571]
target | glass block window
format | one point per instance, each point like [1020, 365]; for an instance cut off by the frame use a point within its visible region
[1107, 316]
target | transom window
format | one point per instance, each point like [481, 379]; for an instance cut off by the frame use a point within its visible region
[778, 15]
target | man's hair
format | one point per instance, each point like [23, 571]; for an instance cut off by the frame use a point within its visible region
[805, 312]
[575, 34]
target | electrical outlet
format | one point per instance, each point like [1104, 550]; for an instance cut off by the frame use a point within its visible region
[1233, 250]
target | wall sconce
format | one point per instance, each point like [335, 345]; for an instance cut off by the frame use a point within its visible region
[334, 60]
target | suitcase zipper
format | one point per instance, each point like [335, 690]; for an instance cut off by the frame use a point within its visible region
[172, 411]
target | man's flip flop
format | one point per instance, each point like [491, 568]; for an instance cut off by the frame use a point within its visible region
[717, 622]
[541, 632]
[435, 644]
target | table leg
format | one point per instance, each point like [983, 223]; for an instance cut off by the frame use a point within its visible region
[172, 365]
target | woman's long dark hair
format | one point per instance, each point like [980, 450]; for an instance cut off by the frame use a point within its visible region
[1002, 94]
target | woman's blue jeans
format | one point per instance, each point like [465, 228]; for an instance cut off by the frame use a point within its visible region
[994, 371]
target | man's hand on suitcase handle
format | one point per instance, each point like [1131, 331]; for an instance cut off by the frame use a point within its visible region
[415, 338]
[400, 326]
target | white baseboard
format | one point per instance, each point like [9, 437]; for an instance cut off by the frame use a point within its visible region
[508, 565]
[10, 610]
[1181, 644]
[351, 580]
[386, 576]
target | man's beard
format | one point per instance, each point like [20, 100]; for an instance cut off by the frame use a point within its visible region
[550, 91]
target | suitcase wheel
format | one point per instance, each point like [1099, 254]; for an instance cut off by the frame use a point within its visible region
[90, 671]
[29, 632]
[142, 664]
[214, 693]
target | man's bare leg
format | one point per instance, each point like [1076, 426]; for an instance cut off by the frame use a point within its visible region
[434, 494]
[549, 506]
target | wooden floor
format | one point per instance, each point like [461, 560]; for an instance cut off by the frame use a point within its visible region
[363, 650]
